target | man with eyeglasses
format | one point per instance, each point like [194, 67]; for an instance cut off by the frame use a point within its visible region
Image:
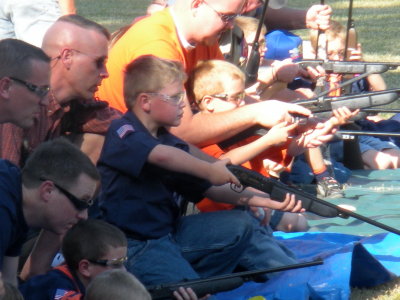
[78, 50]
[24, 82]
[90, 248]
[188, 31]
[52, 193]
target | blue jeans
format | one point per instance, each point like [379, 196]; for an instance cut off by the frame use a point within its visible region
[204, 245]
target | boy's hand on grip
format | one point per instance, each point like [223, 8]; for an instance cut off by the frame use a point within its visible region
[219, 174]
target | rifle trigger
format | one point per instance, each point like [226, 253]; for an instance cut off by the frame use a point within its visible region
[237, 188]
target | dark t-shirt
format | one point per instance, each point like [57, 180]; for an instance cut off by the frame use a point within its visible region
[13, 226]
[58, 284]
[140, 198]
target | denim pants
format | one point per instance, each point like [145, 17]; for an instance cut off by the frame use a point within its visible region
[204, 245]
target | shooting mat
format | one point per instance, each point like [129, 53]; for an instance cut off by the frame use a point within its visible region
[375, 194]
[355, 254]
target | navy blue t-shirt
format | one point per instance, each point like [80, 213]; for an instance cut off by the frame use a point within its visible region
[12, 222]
[140, 198]
[58, 283]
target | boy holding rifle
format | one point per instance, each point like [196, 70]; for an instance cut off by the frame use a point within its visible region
[375, 153]
[148, 174]
[218, 86]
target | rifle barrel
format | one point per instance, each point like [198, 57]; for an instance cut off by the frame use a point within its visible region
[278, 190]
[221, 283]
[381, 110]
[340, 133]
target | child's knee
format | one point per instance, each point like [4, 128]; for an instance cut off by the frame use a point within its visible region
[293, 222]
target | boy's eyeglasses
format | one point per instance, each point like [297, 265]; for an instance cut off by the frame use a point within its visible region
[226, 18]
[174, 99]
[237, 98]
[113, 263]
[77, 203]
[40, 91]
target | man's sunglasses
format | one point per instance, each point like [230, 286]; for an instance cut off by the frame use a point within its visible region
[78, 203]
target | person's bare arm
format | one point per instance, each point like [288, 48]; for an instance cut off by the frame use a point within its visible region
[275, 136]
[376, 83]
[177, 160]
[42, 255]
[203, 129]
[67, 7]
[252, 197]
[316, 17]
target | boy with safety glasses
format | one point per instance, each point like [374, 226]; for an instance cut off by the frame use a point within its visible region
[89, 248]
[148, 175]
[218, 86]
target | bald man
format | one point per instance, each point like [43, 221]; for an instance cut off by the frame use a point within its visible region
[188, 31]
[78, 50]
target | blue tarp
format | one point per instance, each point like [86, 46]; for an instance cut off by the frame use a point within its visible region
[364, 260]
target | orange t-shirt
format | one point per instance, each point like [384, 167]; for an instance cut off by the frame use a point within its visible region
[276, 153]
[154, 35]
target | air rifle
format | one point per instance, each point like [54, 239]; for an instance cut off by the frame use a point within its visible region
[350, 67]
[278, 190]
[321, 105]
[221, 283]
[352, 102]
[351, 134]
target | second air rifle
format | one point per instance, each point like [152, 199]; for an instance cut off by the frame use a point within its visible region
[222, 283]
[278, 190]
[350, 67]
[352, 102]
[322, 107]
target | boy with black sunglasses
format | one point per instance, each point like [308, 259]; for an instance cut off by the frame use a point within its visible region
[89, 248]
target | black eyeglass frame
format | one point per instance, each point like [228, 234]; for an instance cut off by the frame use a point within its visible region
[226, 18]
[40, 91]
[78, 203]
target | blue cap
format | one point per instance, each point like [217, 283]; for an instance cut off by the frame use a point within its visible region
[282, 44]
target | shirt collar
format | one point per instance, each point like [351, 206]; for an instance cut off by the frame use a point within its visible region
[185, 43]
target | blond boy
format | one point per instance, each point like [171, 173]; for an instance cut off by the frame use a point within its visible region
[218, 86]
[147, 176]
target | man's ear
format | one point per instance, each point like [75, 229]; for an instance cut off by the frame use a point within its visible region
[208, 103]
[5, 84]
[66, 57]
[46, 189]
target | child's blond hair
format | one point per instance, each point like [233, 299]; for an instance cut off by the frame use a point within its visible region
[335, 30]
[208, 78]
[150, 74]
[249, 26]
[116, 285]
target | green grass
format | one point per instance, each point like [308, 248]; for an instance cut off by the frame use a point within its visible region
[377, 24]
